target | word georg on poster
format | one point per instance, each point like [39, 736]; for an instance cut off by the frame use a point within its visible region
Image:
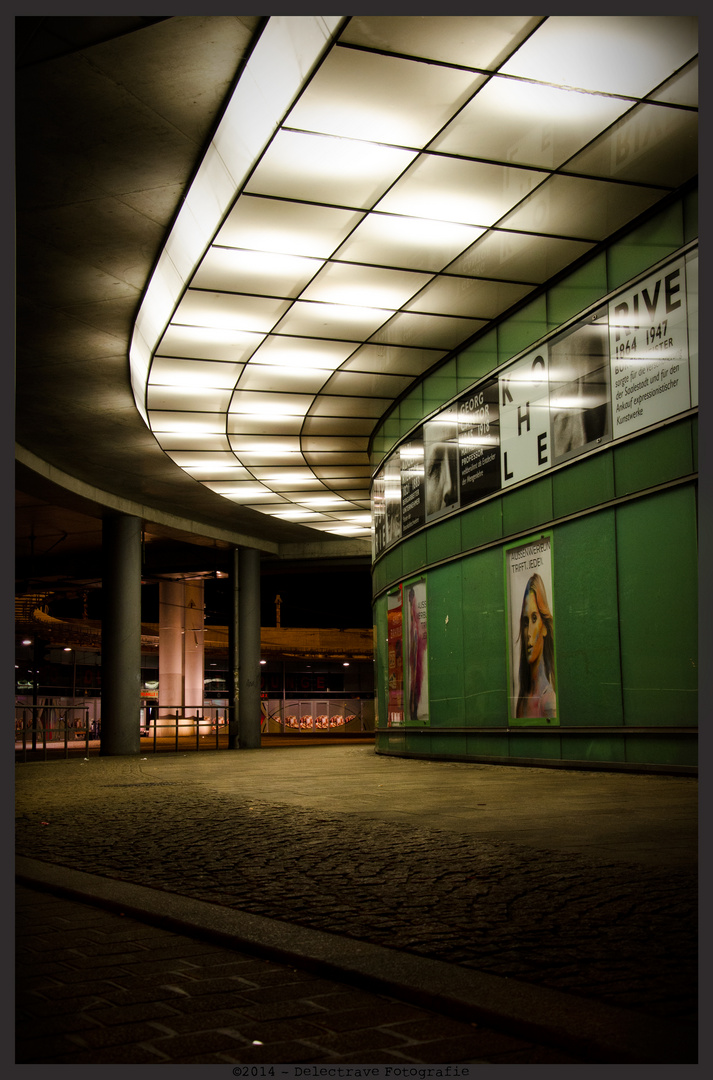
[479, 443]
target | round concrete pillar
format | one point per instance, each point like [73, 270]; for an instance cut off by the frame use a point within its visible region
[121, 635]
[249, 712]
[193, 653]
[233, 653]
[170, 647]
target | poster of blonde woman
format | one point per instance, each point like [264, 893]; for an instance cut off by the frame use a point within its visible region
[415, 652]
[532, 697]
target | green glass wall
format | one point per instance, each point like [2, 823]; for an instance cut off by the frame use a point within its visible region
[623, 523]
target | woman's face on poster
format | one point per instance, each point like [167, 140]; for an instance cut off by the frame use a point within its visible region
[533, 629]
[441, 472]
[393, 518]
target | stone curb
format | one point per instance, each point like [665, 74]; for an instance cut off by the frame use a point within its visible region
[593, 1030]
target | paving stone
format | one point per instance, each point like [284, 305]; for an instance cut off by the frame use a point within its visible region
[196, 986]
[206, 1003]
[281, 1010]
[378, 1016]
[128, 1014]
[292, 1052]
[184, 1023]
[43, 1047]
[478, 1044]
[206, 1059]
[267, 1031]
[298, 991]
[181, 1046]
[428, 1027]
[345, 1042]
[601, 928]
[113, 1055]
[61, 1005]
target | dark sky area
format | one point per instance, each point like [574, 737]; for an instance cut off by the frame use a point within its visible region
[338, 598]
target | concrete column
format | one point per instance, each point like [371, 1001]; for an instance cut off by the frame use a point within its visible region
[233, 654]
[170, 648]
[249, 714]
[121, 635]
[193, 652]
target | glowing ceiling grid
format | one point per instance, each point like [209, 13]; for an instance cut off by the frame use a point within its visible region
[432, 172]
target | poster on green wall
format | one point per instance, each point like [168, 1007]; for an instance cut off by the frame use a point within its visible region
[378, 513]
[413, 500]
[392, 497]
[524, 418]
[532, 696]
[415, 653]
[648, 330]
[440, 464]
[394, 632]
[619, 368]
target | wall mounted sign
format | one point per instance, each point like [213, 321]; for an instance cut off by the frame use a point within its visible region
[532, 697]
[394, 629]
[415, 649]
[626, 365]
[648, 344]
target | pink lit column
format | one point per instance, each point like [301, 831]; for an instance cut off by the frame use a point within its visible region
[170, 649]
[193, 652]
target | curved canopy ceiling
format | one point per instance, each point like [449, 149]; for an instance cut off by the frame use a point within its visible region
[377, 191]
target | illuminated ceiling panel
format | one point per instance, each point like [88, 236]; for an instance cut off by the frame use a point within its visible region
[483, 41]
[652, 144]
[380, 189]
[468, 296]
[383, 99]
[575, 206]
[323, 168]
[411, 243]
[625, 54]
[528, 123]
[511, 256]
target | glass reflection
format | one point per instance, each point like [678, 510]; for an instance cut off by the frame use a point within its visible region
[440, 439]
[579, 387]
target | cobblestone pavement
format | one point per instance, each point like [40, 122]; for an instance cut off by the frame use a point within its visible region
[96, 987]
[620, 932]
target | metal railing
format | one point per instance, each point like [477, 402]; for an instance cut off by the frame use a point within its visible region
[317, 715]
[41, 730]
[185, 727]
[52, 726]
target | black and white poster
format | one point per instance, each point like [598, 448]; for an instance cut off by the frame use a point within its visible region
[413, 499]
[627, 365]
[378, 514]
[440, 464]
[579, 387]
[648, 343]
[524, 418]
[479, 443]
[392, 499]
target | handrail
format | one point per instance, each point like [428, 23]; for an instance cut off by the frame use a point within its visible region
[65, 727]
